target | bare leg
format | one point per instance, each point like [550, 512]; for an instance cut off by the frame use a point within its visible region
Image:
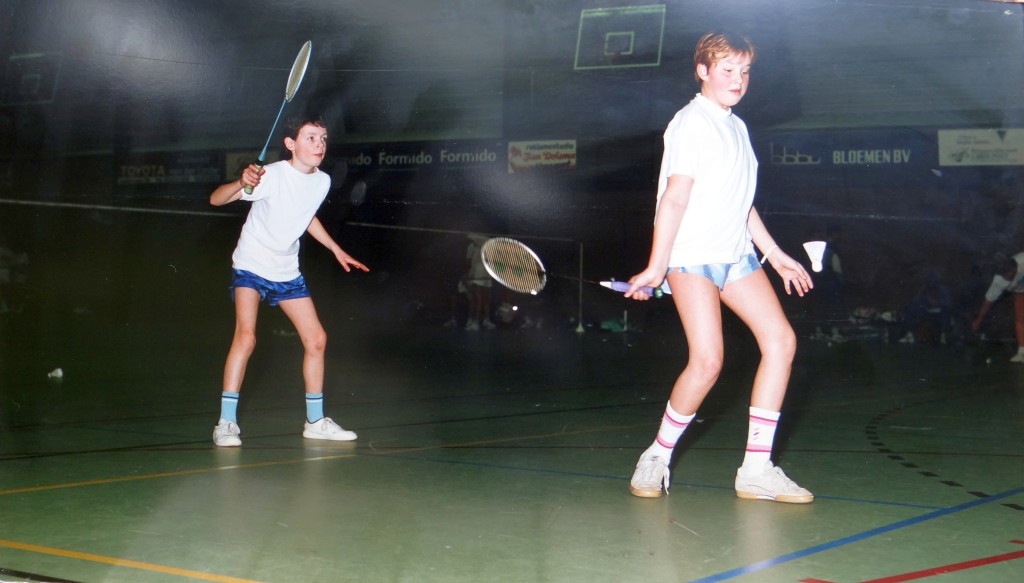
[697, 301]
[1018, 318]
[302, 313]
[754, 301]
[247, 303]
[481, 299]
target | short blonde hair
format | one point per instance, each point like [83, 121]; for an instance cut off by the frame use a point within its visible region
[715, 46]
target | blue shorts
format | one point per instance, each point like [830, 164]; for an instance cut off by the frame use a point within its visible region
[722, 273]
[272, 291]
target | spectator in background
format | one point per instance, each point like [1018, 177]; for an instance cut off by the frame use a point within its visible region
[1008, 278]
[477, 284]
[929, 312]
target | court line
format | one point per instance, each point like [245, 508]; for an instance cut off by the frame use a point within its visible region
[728, 487]
[942, 570]
[206, 576]
[174, 474]
[769, 563]
[452, 232]
[406, 450]
[105, 207]
[32, 576]
[755, 567]
[350, 454]
[152, 567]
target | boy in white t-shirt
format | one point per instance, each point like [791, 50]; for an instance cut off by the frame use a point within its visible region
[1009, 279]
[285, 197]
[705, 229]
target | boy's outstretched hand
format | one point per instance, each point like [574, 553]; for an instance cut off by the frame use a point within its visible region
[348, 263]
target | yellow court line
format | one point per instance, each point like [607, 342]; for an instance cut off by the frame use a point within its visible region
[123, 563]
[121, 479]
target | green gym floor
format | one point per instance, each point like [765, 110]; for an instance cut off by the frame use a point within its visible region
[500, 455]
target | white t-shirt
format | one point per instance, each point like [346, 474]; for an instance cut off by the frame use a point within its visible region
[710, 145]
[283, 205]
[1001, 285]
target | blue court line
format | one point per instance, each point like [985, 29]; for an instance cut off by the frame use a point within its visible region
[768, 563]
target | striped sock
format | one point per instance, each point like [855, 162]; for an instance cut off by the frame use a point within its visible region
[314, 407]
[673, 425]
[229, 406]
[760, 437]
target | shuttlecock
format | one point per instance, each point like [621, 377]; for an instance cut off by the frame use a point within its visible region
[815, 250]
[56, 373]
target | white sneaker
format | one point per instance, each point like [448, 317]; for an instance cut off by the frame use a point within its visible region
[1019, 357]
[650, 477]
[908, 338]
[772, 484]
[326, 428]
[226, 434]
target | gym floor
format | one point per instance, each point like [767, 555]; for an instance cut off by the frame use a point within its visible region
[498, 455]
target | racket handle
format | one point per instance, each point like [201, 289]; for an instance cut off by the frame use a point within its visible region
[623, 287]
[259, 164]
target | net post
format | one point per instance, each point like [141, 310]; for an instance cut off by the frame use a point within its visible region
[579, 321]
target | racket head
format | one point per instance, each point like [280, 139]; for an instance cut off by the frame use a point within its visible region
[513, 265]
[298, 70]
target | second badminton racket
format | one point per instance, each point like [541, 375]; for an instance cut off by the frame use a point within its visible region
[515, 266]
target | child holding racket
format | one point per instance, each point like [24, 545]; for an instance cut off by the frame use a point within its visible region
[705, 229]
[265, 266]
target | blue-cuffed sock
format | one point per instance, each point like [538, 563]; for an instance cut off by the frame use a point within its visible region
[314, 407]
[229, 406]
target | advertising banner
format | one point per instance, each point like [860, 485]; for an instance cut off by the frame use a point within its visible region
[526, 156]
[987, 147]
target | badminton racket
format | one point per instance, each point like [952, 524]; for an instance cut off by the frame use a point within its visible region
[517, 267]
[294, 80]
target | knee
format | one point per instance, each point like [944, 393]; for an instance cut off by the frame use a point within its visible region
[781, 346]
[707, 367]
[316, 342]
[244, 341]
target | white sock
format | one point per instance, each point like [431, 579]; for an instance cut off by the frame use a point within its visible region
[673, 425]
[760, 437]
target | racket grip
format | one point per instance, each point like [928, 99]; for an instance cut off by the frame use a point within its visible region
[623, 287]
[259, 164]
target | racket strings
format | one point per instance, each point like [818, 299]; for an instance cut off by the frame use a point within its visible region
[512, 264]
[298, 71]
